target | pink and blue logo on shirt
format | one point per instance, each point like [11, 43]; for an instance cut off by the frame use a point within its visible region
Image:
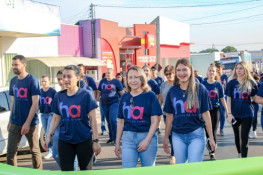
[107, 86]
[212, 93]
[20, 92]
[45, 100]
[130, 111]
[241, 95]
[69, 110]
[183, 106]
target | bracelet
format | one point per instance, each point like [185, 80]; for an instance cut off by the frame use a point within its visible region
[51, 135]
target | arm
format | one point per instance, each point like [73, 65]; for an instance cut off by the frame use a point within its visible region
[11, 108]
[32, 112]
[168, 126]
[223, 101]
[95, 93]
[154, 124]
[118, 137]
[53, 126]
[98, 95]
[160, 99]
[230, 116]
[259, 99]
[92, 118]
[208, 125]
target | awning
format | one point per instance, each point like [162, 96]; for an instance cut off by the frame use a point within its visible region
[65, 61]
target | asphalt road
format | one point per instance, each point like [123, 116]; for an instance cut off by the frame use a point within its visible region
[107, 159]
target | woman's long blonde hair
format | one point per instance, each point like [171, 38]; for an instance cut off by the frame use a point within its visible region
[145, 87]
[246, 84]
[192, 89]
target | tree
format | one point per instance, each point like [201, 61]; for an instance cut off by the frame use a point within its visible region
[209, 50]
[229, 49]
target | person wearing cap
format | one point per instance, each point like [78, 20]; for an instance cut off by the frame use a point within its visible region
[158, 79]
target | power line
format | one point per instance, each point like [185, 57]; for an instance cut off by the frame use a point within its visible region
[222, 13]
[206, 23]
[178, 6]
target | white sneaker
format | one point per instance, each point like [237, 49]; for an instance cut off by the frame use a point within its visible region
[254, 134]
[250, 135]
[48, 156]
[239, 155]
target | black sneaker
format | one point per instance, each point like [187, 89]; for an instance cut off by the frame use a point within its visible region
[212, 157]
[110, 141]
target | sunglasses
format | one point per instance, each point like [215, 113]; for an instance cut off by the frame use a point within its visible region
[132, 103]
[168, 74]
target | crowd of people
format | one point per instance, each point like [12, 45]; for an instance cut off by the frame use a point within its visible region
[192, 108]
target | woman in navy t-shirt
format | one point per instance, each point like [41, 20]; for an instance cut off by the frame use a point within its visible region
[187, 106]
[74, 111]
[139, 115]
[216, 94]
[109, 91]
[241, 89]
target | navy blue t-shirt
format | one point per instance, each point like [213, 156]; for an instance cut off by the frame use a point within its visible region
[215, 92]
[241, 105]
[154, 86]
[200, 79]
[91, 82]
[75, 126]
[109, 91]
[260, 92]
[138, 119]
[159, 81]
[22, 91]
[186, 120]
[45, 100]
[84, 85]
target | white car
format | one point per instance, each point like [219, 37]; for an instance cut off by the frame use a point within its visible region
[5, 102]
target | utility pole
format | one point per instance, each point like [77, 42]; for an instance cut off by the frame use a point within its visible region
[92, 16]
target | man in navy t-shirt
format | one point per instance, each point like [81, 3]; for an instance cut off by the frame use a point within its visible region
[88, 79]
[200, 79]
[109, 92]
[24, 91]
[152, 83]
[158, 79]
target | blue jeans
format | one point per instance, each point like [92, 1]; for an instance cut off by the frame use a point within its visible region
[189, 147]
[111, 112]
[255, 118]
[55, 150]
[102, 119]
[46, 119]
[222, 115]
[130, 154]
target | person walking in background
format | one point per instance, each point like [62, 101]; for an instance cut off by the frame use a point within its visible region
[45, 102]
[223, 79]
[78, 130]
[121, 79]
[169, 72]
[241, 88]
[108, 90]
[139, 115]
[88, 79]
[159, 80]
[187, 106]
[102, 116]
[199, 78]
[216, 94]
[253, 134]
[24, 91]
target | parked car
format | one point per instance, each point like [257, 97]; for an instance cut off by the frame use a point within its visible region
[5, 101]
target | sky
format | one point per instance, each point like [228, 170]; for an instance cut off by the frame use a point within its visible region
[213, 23]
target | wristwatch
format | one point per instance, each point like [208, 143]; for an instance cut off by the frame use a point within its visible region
[95, 140]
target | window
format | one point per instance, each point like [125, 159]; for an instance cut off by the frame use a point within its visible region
[3, 102]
